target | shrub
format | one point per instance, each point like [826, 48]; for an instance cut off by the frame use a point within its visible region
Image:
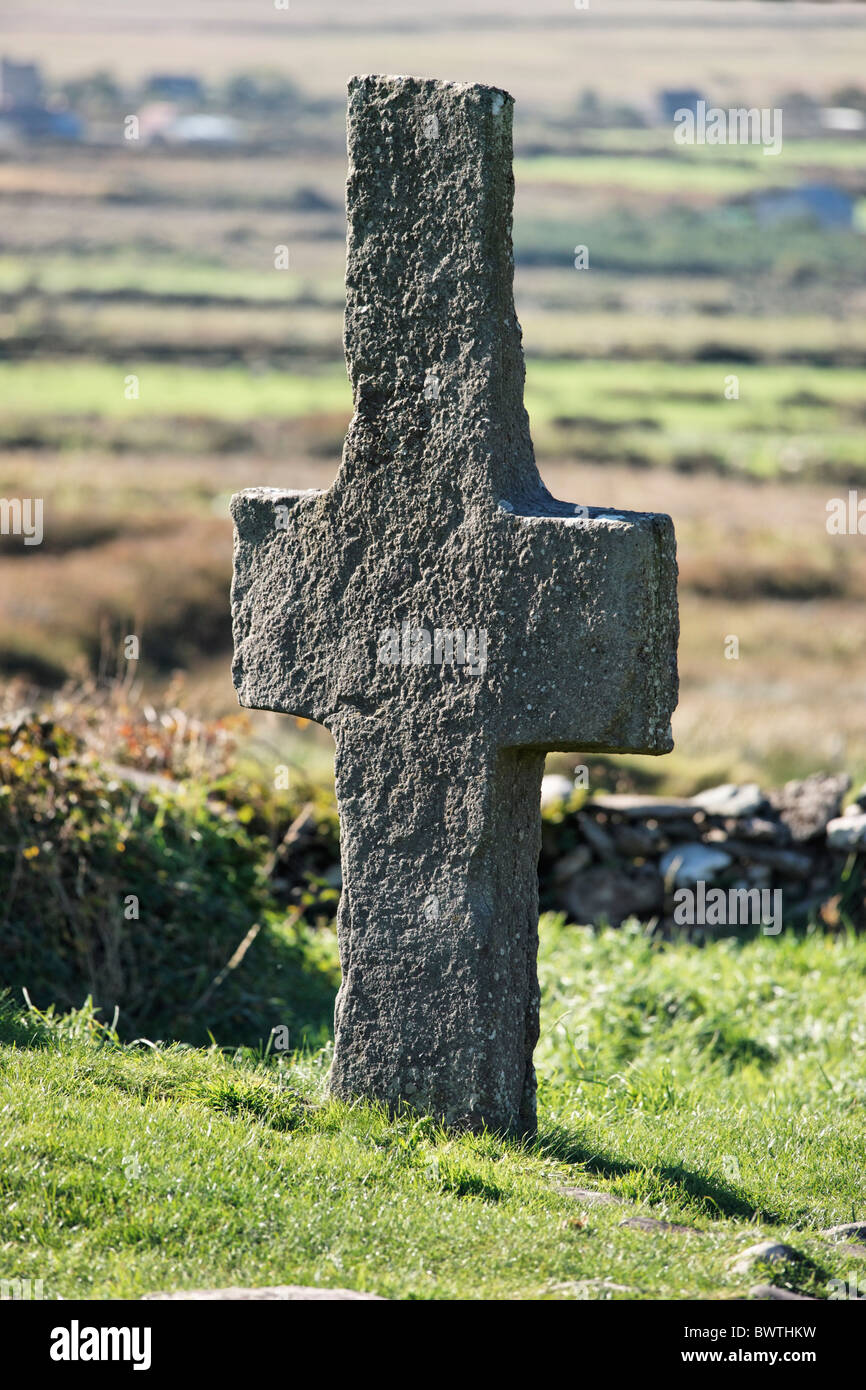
[140, 895]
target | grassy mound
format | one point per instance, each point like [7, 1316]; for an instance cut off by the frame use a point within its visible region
[719, 1089]
[148, 892]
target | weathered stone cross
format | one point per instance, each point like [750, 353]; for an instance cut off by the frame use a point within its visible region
[356, 607]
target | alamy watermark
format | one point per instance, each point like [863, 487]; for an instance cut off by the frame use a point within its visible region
[846, 516]
[740, 125]
[21, 1289]
[22, 516]
[409, 645]
[852, 1287]
[77, 1343]
[701, 906]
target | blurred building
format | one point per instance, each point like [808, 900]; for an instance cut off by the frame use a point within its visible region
[175, 86]
[843, 118]
[20, 84]
[204, 129]
[818, 203]
[673, 99]
[161, 123]
[24, 112]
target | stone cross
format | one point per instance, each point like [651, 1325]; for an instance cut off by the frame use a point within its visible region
[445, 618]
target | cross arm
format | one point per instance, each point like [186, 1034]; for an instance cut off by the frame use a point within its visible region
[278, 569]
[591, 661]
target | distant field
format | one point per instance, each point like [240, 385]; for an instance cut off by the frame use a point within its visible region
[119, 260]
[787, 420]
[712, 176]
[144, 539]
[157, 276]
[545, 53]
[309, 331]
[97, 388]
[846, 153]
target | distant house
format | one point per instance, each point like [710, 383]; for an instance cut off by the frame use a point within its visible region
[154, 120]
[24, 113]
[672, 100]
[204, 129]
[174, 86]
[20, 84]
[847, 118]
[162, 124]
[818, 203]
[39, 123]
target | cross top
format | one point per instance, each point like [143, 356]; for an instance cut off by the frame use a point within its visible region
[445, 617]
[432, 340]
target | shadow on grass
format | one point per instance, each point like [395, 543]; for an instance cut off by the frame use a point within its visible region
[713, 1197]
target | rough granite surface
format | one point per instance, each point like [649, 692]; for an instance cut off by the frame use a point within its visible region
[439, 519]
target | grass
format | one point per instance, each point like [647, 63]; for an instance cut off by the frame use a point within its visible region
[136, 865]
[687, 336]
[649, 161]
[714, 177]
[85, 387]
[788, 419]
[157, 276]
[721, 1088]
[837, 154]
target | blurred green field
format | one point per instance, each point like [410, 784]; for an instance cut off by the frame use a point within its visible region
[796, 153]
[786, 421]
[96, 388]
[684, 175]
[158, 263]
[159, 276]
[650, 161]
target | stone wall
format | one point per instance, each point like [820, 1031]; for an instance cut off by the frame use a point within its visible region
[613, 856]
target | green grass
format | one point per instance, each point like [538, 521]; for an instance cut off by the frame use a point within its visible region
[649, 161]
[711, 177]
[836, 153]
[677, 240]
[673, 392]
[788, 419]
[722, 1088]
[233, 393]
[169, 276]
[140, 897]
